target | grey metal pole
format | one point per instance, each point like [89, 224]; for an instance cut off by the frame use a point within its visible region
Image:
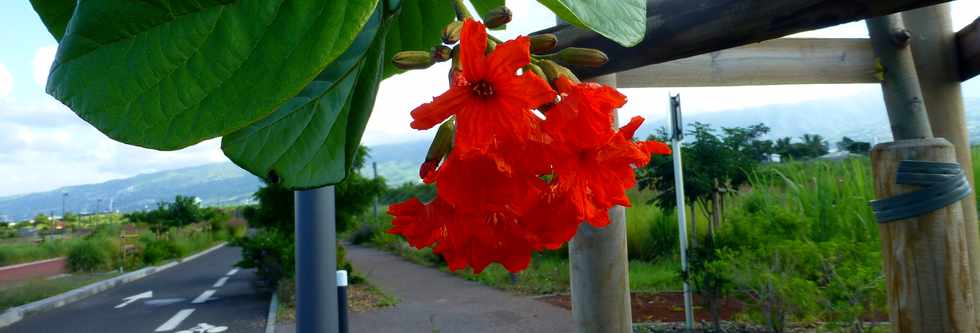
[316, 261]
[375, 166]
[677, 136]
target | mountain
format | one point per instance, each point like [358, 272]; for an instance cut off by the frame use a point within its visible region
[861, 118]
[215, 184]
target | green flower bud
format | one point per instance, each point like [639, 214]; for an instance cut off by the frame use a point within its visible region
[543, 43]
[441, 145]
[582, 57]
[553, 71]
[413, 59]
[441, 53]
[450, 34]
[498, 17]
[536, 70]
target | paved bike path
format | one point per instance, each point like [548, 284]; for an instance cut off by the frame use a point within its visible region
[207, 289]
[435, 301]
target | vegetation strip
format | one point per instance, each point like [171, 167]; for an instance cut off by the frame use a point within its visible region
[15, 314]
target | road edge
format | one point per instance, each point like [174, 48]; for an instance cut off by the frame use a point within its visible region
[17, 313]
[270, 320]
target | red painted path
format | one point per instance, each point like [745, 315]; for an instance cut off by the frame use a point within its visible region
[32, 270]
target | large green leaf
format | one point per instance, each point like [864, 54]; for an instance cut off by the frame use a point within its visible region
[168, 74]
[418, 26]
[623, 21]
[55, 14]
[310, 140]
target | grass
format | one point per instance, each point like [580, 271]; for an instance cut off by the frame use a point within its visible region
[21, 252]
[34, 290]
[362, 296]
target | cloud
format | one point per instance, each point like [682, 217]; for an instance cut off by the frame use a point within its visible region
[43, 58]
[39, 155]
[6, 82]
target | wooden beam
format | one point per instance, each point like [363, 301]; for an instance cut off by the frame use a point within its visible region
[679, 29]
[934, 53]
[968, 41]
[773, 62]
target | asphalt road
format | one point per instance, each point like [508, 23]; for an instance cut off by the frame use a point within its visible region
[204, 290]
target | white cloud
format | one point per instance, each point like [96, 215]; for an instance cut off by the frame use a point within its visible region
[6, 82]
[43, 58]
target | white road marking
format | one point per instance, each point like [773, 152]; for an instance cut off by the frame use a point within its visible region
[232, 272]
[134, 298]
[175, 321]
[204, 296]
[221, 282]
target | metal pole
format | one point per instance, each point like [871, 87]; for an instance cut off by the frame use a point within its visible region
[375, 166]
[342, 299]
[677, 136]
[316, 261]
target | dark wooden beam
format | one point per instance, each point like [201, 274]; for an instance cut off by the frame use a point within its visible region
[682, 28]
[968, 41]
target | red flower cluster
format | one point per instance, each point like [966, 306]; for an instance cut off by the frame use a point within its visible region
[515, 183]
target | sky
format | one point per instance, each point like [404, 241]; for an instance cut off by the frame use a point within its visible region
[45, 146]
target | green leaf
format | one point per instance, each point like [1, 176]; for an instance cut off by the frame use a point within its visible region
[623, 21]
[168, 74]
[417, 27]
[308, 141]
[55, 14]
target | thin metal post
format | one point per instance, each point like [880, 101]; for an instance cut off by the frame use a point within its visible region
[677, 137]
[375, 166]
[316, 261]
[342, 301]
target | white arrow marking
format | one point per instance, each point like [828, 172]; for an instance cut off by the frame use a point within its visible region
[134, 298]
[175, 321]
[204, 296]
[221, 282]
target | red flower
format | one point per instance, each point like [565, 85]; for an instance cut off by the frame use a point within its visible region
[596, 178]
[465, 240]
[476, 184]
[489, 99]
[584, 116]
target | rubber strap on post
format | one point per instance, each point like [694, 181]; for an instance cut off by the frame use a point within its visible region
[943, 184]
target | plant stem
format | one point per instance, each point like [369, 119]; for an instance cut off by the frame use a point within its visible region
[462, 12]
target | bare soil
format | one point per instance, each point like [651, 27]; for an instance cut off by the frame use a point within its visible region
[662, 307]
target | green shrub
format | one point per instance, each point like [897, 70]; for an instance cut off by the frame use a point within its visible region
[364, 233]
[159, 250]
[90, 256]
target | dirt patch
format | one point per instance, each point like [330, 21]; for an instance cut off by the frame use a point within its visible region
[662, 307]
[365, 297]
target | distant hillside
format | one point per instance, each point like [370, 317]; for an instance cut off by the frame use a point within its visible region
[861, 118]
[215, 184]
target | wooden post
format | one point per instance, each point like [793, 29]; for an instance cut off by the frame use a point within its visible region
[926, 261]
[934, 50]
[600, 271]
[903, 96]
[925, 257]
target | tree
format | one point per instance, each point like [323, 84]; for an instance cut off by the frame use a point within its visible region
[271, 251]
[856, 147]
[184, 210]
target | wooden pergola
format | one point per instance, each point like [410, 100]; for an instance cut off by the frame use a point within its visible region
[931, 260]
